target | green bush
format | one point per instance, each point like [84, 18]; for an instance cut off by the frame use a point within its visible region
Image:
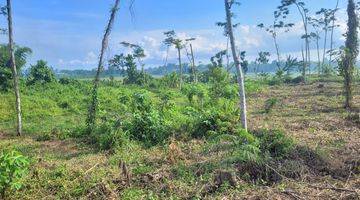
[247, 153]
[147, 124]
[44, 137]
[215, 121]
[194, 91]
[13, 167]
[296, 80]
[275, 81]
[40, 73]
[270, 104]
[148, 128]
[328, 70]
[241, 146]
[171, 80]
[274, 143]
[220, 84]
[253, 86]
[165, 102]
[68, 81]
[21, 54]
[5, 78]
[108, 137]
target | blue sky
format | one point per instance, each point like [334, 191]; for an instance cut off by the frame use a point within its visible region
[67, 33]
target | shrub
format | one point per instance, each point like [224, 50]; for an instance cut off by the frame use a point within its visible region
[40, 73]
[13, 166]
[221, 118]
[5, 78]
[253, 153]
[328, 70]
[264, 76]
[274, 143]
[270, 104]
[149, 128]
[288, 79]
[214, 122]
[107, 136]
[21, 54]
[275, 81]
[192, 91]
[147, 125]
[165, 102]
[44, 137]
[252, 86]
[240, 146]
[68, 81]
[171, 80]
[220, 86]
[247, 153]
[296, 80]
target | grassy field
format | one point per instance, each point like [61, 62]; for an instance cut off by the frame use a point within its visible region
[324, 162]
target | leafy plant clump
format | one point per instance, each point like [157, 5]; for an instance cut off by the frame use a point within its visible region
[270, 104]
[215, 122]
[147, 124]
[40, 73]
[108, 137]
[13, 167]
[254, 154]
[274, 142]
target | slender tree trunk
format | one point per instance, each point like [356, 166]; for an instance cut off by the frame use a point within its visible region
[332, 32]
[308, 54]
[307, 41]
[240, 76]
[143, 73]
[91, 120]
[348, 89]
[304, 63]
[180, 66]
[14, 70]
[142, 69]
[351, 52]
[256, 70]
[307, 48]
[325, 43]
[318, 54]
[193, 63]
[166, 59]
[277, 51]
[227, 54]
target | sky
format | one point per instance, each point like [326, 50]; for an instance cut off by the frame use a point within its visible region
[68, 33]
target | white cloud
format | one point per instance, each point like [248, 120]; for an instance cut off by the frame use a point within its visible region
[89, 60]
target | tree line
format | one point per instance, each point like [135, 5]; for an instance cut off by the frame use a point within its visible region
[315, 27]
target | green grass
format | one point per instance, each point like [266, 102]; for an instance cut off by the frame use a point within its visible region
[67, 167]
[53, 107]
